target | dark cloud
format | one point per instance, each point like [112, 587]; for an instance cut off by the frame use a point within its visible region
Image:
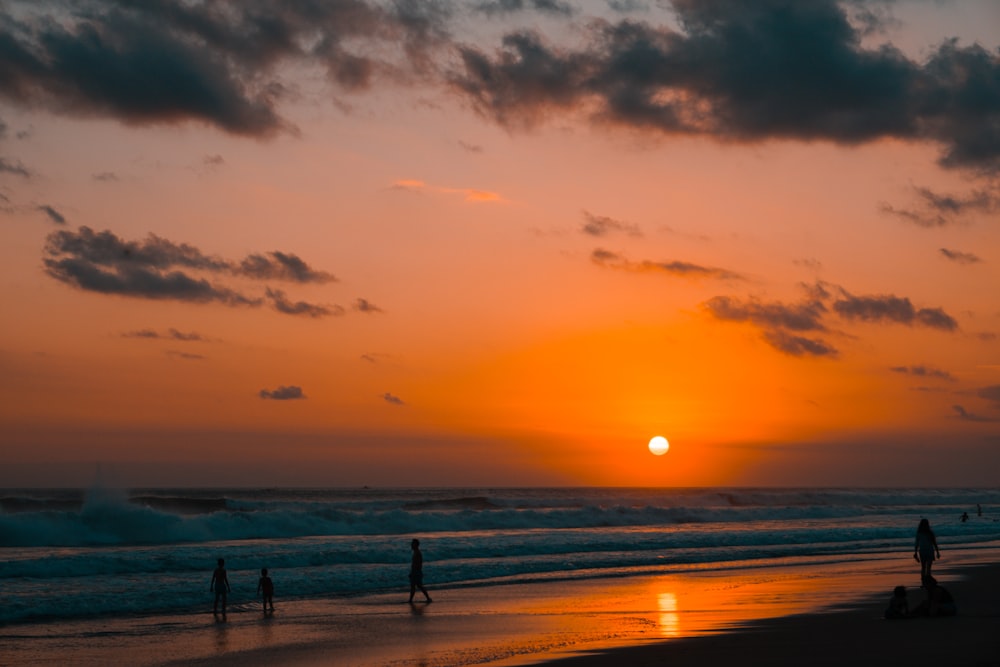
[924, 372]
[283, 305]
[171, 334]
[500, 7]
[613, 260]
[735, 71]
[106, 177]
[214, 62]
[781, 324]
[157, 268]
[213, 161]
[749, 71]
[282, 393]
[890, 308]
[934, 209]
[965, 415]
[472, 148]
[392, 400]
[366, 306]
[599, 225]
[142, 333]
[52, 214]
[16, 168]
[959, 257]
[281, 266]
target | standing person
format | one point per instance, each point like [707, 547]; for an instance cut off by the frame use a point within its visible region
[417, 571]
[266, 587]
[220, 584]
[925, 548]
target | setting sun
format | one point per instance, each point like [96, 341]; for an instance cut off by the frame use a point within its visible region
[659, 445]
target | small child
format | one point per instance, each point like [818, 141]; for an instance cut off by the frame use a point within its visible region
[266, 586]
[899, 607]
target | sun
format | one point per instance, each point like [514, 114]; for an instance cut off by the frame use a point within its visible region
[659, 445]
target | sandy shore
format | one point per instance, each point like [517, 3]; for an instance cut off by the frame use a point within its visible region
[767, 613]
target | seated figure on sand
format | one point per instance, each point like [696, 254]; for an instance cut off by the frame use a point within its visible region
[899, 606]
[938, 602]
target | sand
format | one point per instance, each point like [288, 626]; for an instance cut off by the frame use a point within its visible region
[758, 613]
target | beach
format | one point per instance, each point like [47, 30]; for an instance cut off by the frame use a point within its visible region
[775, 614]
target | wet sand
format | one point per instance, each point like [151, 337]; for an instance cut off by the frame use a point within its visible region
[769, 613]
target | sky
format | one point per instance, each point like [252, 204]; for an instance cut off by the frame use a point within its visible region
[500, 242]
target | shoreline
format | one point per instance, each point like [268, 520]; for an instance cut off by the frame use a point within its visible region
[854, 634]
[793, 613]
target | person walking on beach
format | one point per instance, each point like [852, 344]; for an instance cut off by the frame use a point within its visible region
[220, 584]
[925, 548]
[417, 571]
[266, 587]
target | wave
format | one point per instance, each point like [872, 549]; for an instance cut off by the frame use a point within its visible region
[111, 517]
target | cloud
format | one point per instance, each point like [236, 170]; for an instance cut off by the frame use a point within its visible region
[924, 372]
[959, 257]
[733, 71]
[965, 415]
[599, 225]
[157, 268]
[782, 324]
[218, 64]
[53, 215]
[171, 334]
[366, 306]
[754, 71]
[890, 308]
[472, 148]
[613, 260]
[935, 209]
[283, 305]
[281, 266]
[16, 168]
[392, 400]
[469, 194]
[283, 393]
[105, 177]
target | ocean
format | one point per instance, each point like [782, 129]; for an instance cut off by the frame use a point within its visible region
[81, 554]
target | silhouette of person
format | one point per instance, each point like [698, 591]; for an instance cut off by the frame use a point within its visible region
[965, 517]
[417, 571]
[220, 584]
[266, 586]
[925, 548]
[899, 606]
[979, 509]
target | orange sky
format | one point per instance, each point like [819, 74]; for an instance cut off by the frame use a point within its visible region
[501, 244]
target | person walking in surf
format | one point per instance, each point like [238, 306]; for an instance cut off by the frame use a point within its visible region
[417, 571]
[220, 584]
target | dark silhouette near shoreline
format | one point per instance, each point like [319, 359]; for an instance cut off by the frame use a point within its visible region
[220, 584]
[417, 571]
[925, 548]
[265, 588]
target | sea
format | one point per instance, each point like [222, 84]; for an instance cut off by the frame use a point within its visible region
[74, 554]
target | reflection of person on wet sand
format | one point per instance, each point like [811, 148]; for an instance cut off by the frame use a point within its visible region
[417, 571]
[265, 587]
[925, 548]
[220, 584]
